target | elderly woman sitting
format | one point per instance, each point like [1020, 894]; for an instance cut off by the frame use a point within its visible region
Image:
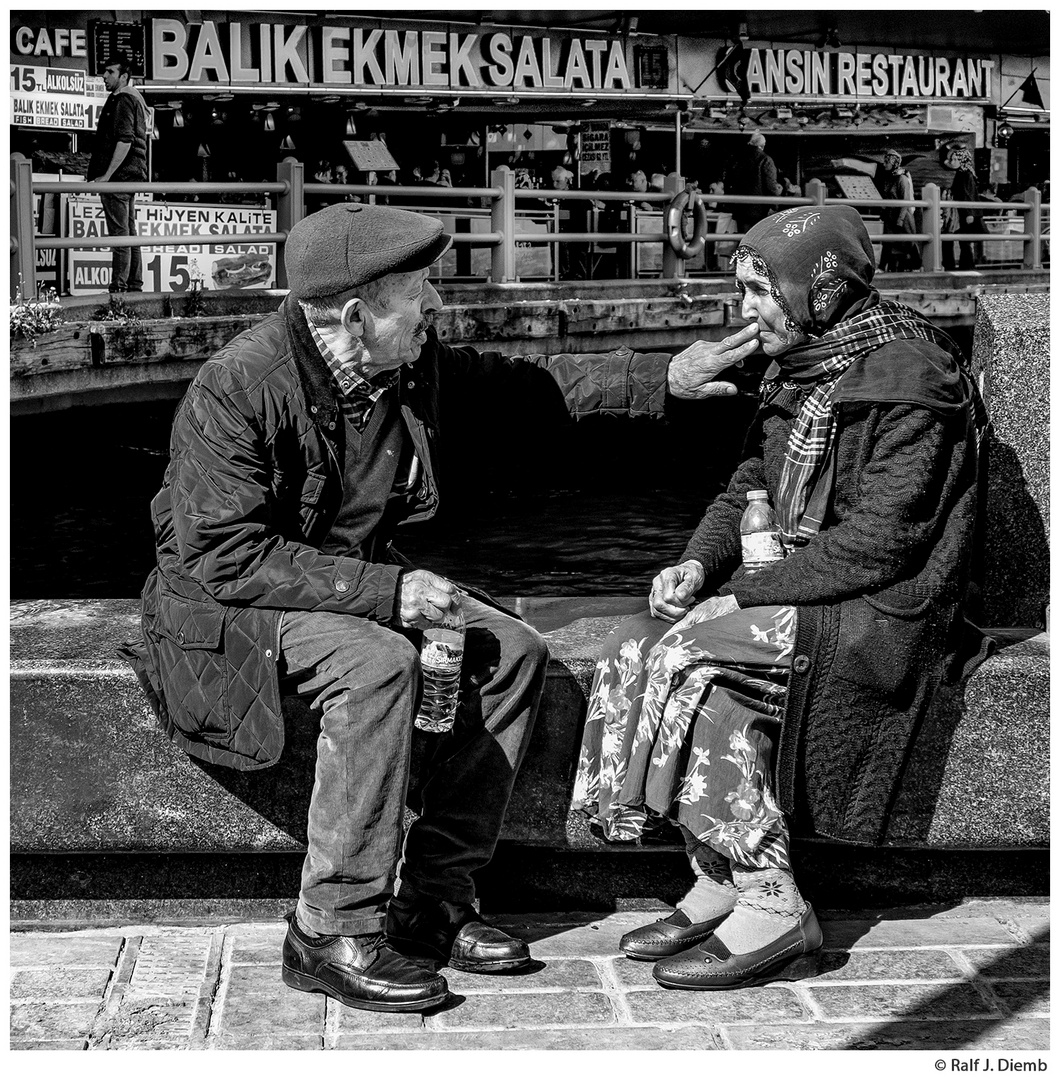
[796, 690]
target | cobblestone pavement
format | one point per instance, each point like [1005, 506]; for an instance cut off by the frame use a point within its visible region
[971, 977]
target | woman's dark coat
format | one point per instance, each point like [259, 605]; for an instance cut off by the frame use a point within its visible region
[879, 590]
[252, 488]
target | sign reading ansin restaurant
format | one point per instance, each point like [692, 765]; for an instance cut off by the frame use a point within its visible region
[274, 53]
[862, 75]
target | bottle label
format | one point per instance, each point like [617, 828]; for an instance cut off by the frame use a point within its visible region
[762, 547]
[443, 650]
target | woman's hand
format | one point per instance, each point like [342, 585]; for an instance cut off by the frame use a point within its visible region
[673, 588]
[691, 373]
[712, 608]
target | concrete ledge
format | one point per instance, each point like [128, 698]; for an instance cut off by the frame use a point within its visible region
[91, 772]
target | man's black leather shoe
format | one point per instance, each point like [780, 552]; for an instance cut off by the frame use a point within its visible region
[452, 934]
[668, 936]
[362, 972]
[710, 966]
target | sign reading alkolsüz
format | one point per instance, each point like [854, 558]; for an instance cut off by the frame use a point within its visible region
[863, 74]
[53, 97]
[240, 52]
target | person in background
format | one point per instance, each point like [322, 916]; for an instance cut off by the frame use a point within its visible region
[120, 156]
[894, 182]
[788, 186]
[638, 181]
[751, 172]
[961, 219]
[571, 258]
[743, 696]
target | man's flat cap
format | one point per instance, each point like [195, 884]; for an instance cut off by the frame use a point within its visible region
[350, 244]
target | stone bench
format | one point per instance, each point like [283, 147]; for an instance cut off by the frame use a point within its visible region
[95, 784]
[91, 771]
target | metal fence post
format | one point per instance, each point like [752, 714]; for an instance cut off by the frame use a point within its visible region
[1032, 224]
[817, 190]
[672, 265]
[502, 220]
[23, 254]
[290, 209]
[932, 258]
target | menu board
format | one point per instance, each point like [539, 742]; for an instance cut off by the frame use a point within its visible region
[107, 38]
[370, 156]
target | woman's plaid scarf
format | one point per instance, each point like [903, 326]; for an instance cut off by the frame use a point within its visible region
[804, 491]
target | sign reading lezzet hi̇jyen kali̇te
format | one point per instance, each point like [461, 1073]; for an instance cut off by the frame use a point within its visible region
[234, 262]
[52, 97]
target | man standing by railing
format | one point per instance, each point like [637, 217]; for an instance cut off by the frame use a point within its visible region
[120, 155]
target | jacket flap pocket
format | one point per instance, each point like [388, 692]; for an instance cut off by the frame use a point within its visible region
[191, 625]
[313, 489]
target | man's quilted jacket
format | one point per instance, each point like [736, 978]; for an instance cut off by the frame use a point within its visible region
[253, 485]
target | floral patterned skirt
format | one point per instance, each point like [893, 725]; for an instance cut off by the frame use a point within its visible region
[684, 724]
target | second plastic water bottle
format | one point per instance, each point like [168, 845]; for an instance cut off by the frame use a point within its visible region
[441, 658]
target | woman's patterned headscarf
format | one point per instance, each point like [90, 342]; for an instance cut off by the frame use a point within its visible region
[818, 261]
[819, 264]
[962, 158]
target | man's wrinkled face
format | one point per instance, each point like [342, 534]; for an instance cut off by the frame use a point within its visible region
[758, 305]
[395, 323]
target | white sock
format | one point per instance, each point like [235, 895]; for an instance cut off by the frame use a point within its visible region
[768, 905]
[713, 892]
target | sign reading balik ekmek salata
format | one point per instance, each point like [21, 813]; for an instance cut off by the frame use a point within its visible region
[228, 264]
[55, 97]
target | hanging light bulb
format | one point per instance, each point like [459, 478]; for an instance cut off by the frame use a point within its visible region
[351, 125]
[270, 123]
[178, 118]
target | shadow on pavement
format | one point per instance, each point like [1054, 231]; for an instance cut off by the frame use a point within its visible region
[949, 1004]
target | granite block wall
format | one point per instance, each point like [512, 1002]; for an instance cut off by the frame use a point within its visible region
[1011, 360]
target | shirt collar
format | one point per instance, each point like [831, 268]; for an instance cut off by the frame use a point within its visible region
[349, 381]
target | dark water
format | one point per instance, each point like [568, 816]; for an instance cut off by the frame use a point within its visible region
[533, 504]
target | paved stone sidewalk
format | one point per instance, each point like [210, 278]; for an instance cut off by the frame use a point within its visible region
[972, 977]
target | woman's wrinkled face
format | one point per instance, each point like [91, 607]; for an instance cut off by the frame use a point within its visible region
[758, 305]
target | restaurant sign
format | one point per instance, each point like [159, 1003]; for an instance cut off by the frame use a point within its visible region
[826, 73]
[364, 57]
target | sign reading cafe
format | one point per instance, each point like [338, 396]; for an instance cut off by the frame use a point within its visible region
[238, 52]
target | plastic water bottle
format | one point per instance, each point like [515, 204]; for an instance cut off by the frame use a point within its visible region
[441, 658]
[759, 533]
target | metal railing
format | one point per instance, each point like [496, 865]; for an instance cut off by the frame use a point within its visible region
[503, 236]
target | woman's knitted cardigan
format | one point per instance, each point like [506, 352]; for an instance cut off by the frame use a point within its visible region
[879, 590]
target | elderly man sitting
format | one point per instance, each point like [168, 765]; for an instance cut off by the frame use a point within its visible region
[296, 451]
